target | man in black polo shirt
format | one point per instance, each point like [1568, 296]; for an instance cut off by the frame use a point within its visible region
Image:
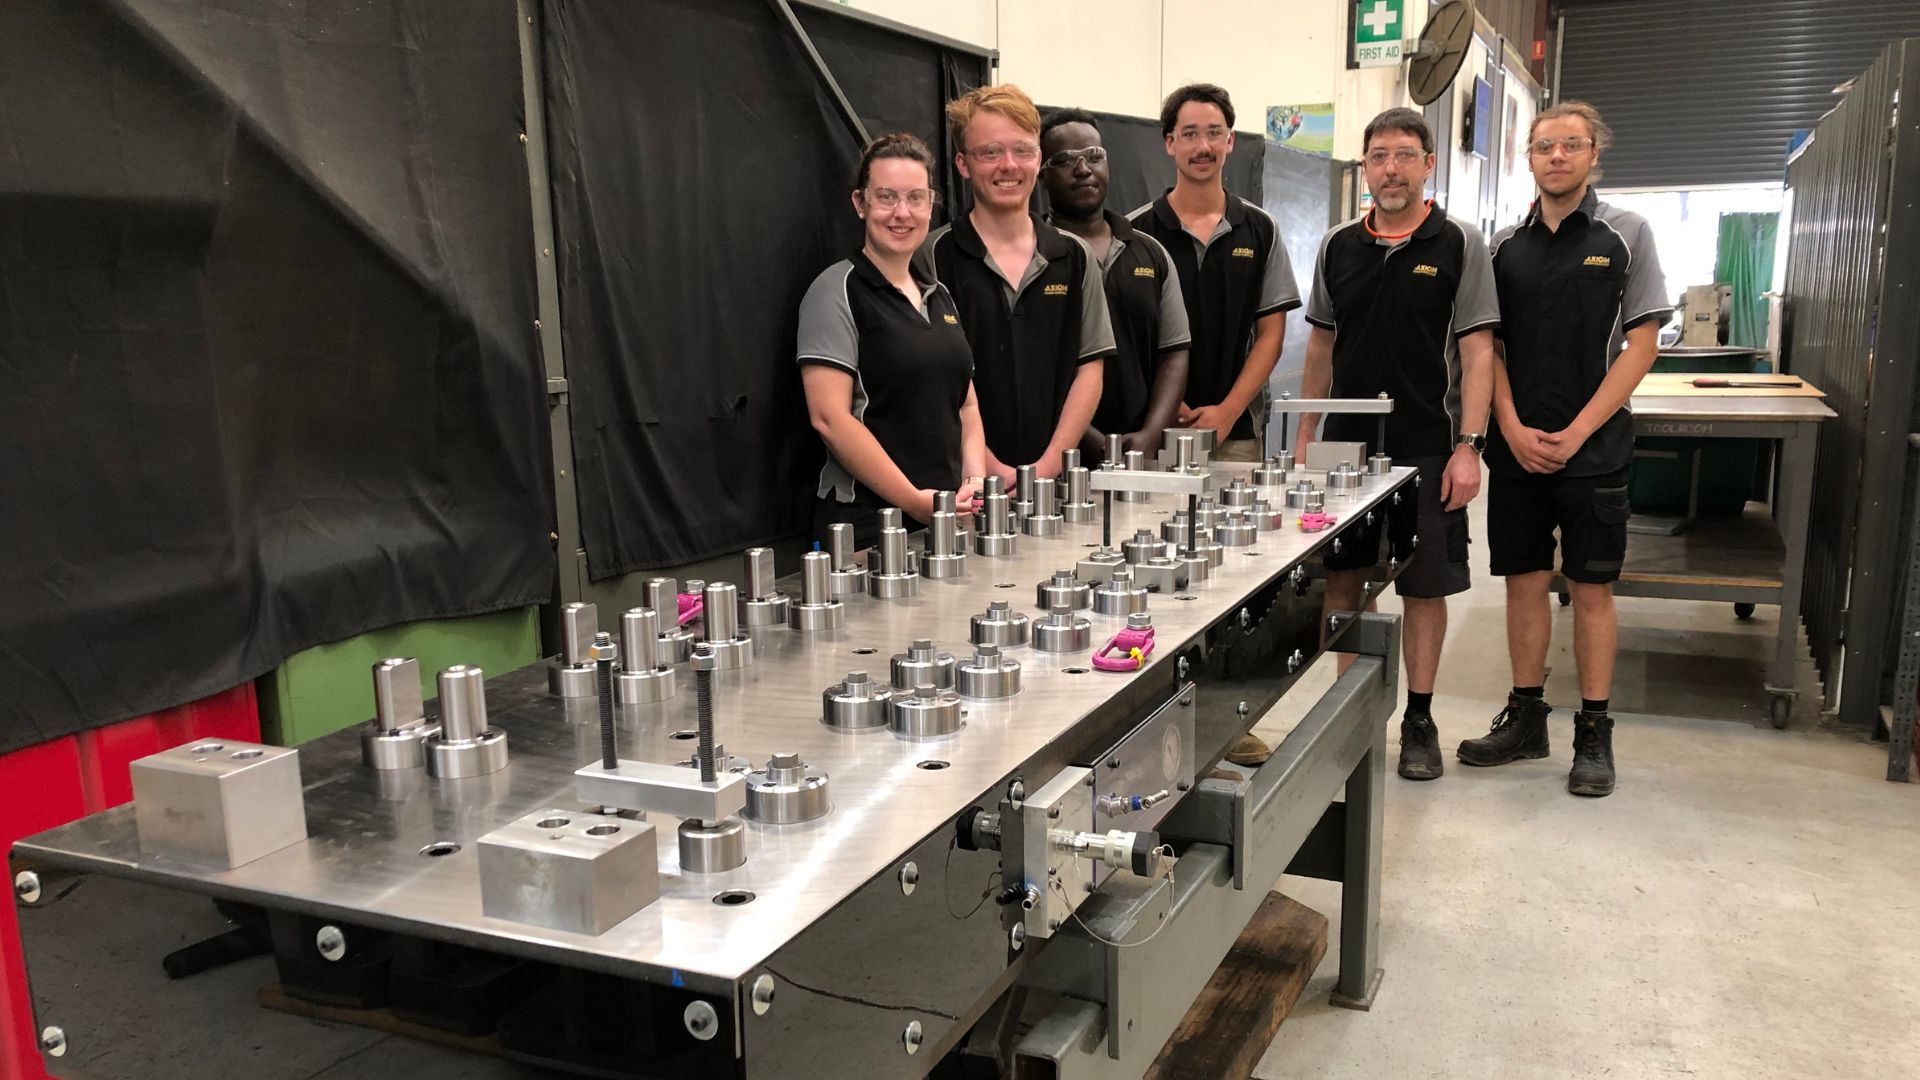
[1146, 378]
[1234, 273]
[1030, 296]
[1403, 304]
[1583, 301]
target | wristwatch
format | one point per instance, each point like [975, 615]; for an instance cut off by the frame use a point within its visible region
[1478, 442]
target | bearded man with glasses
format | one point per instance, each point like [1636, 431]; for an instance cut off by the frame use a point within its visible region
[1403, 304]
[1148, 374]
[1030, 296]
[1582, 300]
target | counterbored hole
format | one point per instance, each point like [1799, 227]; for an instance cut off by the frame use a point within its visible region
[1186, 596]
[1074, 671]
[554, 823]
[932, 766]
[733, 898]
[206, 748]
[603, 830]
[439, 848]
[865, 650]
[246, 755]
[684, 734]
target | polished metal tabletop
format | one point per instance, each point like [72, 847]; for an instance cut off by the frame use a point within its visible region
[364, 860]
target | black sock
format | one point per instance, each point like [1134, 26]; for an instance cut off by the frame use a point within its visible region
[1594, 706]
[1419, 704]
[1537, 693]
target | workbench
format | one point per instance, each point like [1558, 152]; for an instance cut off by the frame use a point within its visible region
[873, 941]
[1759, 556]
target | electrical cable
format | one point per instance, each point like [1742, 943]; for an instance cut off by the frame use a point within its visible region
[1166, 851]
[946, 874]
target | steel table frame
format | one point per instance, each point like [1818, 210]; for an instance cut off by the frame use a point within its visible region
[1794, 423]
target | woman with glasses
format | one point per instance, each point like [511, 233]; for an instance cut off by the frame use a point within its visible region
[884, 362]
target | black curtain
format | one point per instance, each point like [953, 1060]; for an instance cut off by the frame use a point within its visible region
[701, 177]
[1139, 170]
[266, 306]
[897, 83]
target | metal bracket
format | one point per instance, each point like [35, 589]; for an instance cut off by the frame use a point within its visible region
[822, 72]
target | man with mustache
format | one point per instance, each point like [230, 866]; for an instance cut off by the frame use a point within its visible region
[1584, 300]
[1234, 272]
[1403, 304]
[1148, 373]
[1030, 296]
[1237, 283]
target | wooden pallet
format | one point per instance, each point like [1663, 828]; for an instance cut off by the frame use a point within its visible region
[1242, 1007]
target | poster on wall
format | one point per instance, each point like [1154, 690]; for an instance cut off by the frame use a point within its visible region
[1302, 127]
[1516, 178]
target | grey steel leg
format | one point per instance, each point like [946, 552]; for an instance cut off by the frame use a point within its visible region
[1796, 504]
[1360, 971]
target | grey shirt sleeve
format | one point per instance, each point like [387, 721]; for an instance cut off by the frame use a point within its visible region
[1320, 299]
[827, 333]
[1175, 333]
[1476, 303]
[1096, 326]
[1645, 299]
[1278, 289]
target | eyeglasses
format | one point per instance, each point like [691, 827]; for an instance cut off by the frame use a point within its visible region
[1190, 135]
[919, 200]
[1572, 144]
[1406, 155]
[1065, 159]
[995, 153]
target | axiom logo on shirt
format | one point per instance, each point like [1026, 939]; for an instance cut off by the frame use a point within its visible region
[1243, 253]
[1427, 271]
[1598, 260]
[951, 321]
[1143, 271]
[1054, 290]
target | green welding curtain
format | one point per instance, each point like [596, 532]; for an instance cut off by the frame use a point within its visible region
[1745, 262]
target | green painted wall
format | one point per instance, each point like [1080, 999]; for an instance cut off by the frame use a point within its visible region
[330, 687]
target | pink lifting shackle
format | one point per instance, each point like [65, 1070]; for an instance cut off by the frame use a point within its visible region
[1132, 645]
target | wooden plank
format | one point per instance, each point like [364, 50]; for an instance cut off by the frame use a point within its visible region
[1242, 1007]
[274, 996]
[1680, 384]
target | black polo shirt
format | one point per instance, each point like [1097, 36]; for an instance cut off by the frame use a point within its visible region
[1149, 321]
[1567, 299]
[1229, 280]
[1398, 309]
[910, 366]
[1028, 339]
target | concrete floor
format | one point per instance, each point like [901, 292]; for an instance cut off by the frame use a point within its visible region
[1746, 904]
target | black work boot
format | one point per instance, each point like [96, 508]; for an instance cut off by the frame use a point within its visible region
[1519, 731]
[1420, 748]
[1592, 755]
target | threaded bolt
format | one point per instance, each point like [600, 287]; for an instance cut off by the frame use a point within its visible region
[703, 698]
[603, 652]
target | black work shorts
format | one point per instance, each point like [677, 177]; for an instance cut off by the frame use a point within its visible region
[1590, 512]
[1438, 566]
